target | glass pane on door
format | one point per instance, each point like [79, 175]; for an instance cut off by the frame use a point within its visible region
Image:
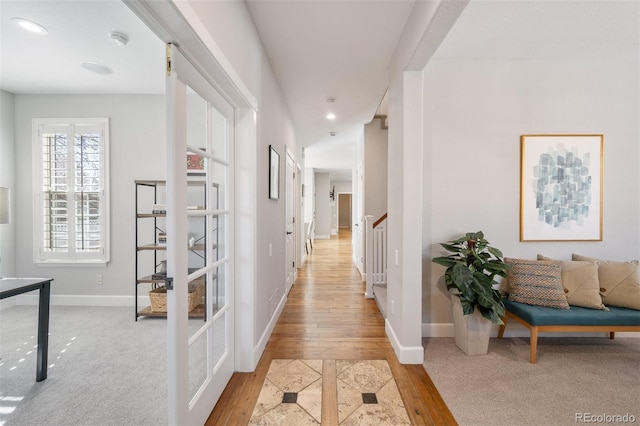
[197, 128]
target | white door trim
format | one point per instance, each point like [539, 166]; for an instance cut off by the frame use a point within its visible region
[290, 227]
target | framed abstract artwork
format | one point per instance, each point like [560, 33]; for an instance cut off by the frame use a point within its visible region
[274, 173]
[561, 187]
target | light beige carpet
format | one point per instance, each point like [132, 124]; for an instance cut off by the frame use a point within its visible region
[365, 391]
[575, 379]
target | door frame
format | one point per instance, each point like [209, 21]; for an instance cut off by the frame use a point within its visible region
[358, 219]
[177, 22]
[350, 209]
[299, 217]
[290, 198]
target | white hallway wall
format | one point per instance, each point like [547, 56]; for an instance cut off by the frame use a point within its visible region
[375, 169]
[322, 205]
[7, 180]
[475, 112]
[309, 194]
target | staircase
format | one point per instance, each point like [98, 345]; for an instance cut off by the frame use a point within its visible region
[376, 233]
[376, 260]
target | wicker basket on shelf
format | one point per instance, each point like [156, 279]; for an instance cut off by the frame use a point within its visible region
[158, 297]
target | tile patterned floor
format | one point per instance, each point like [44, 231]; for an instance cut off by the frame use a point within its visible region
[359, 381]
[292, 394]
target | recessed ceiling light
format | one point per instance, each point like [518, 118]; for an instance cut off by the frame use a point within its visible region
[96, 67]
[118, 39]
[331, 116]
[30, 26]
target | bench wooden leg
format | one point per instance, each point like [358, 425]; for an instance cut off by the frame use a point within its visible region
[502, 327]
[612, 335]
[533, 345]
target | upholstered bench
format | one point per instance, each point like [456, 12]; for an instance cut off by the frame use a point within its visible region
[576, 319]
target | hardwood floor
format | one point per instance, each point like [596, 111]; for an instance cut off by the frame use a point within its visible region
[327, 317]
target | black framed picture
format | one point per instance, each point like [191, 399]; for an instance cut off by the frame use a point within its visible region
[274, 173]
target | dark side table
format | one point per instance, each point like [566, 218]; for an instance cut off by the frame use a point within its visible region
[14, 286]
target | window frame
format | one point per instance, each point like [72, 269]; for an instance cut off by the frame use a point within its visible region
[72, 257]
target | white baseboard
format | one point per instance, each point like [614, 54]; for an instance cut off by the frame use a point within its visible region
[264, 339]
[83, 300]
[405, 354]
[360, 268]
[447, 330]
[321, 237]
[334, 232]
[627, 334]
[512, 330]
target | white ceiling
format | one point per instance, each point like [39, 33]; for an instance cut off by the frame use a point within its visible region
[77, 31]
[545, 30]
[334, 157]
[323, 49]
[330, 49]
[317, 48]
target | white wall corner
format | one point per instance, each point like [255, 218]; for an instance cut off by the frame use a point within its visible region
[405, 354]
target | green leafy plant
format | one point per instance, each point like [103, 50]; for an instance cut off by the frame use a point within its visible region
[471, 269]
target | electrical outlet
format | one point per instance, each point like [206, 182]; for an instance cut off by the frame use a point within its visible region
[393, 305]
[396, 257]
[99, 279]
[270, 249]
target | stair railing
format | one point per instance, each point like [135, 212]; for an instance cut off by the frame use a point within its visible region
[375, 252]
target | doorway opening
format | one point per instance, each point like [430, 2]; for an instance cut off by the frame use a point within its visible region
[344, 210]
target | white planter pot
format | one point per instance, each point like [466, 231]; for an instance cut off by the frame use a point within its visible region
[472, 331]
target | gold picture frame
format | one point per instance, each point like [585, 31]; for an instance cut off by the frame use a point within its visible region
[561, 187]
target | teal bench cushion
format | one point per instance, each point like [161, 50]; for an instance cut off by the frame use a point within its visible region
[540, 315]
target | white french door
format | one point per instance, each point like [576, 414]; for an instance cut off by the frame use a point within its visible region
[200, 198]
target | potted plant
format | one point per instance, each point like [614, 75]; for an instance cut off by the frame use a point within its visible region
[470, 276]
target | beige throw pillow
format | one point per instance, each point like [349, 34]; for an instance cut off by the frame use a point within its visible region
[536, 283]
[619, 282]
[580, 283]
